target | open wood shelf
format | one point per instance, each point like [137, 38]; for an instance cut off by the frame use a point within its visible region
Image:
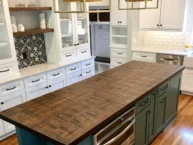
[33, 31]
[30, 8]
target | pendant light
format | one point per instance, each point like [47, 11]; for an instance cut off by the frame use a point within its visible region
[83, 7]
[138, 1]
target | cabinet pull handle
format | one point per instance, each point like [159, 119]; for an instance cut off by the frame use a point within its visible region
[2, 103]
[73, 69]
[88, 64]
[164, 100]
[83, 51]
[143, 103]
[36, 81]
[119, 53]
[88, 72]
[68, 55]
[143, 56]
[11, 89]
[4, 71]
[164, 87]
[56, 74]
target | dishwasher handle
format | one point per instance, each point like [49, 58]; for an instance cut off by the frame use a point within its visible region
[121, 134]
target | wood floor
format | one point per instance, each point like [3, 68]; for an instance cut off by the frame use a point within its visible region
[179, 133]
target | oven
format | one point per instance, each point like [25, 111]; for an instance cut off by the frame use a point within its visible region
[120, 132]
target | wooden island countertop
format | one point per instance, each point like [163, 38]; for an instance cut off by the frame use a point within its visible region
[69, 115]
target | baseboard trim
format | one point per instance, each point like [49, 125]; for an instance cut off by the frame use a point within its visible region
[7, 135]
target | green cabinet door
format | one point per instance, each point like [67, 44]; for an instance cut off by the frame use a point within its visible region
[160, 113]
[153, 98]
[172, 99]
[142, 125]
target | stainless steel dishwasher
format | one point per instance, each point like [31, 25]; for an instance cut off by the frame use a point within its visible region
[170, 59]
[120, 132]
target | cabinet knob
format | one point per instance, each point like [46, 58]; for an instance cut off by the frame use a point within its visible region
[161, 25]
[74, 44]
[50, 86]
[158, 25]
[80, 74]
[2, 103]
[47, 87]
[78, 44]
[121, 22]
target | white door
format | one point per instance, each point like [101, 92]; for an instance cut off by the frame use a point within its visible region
[2, 130]
[73, 78]
[119, 17]
[150, 18]
[37, 91]
[10, 101]
[172, 14]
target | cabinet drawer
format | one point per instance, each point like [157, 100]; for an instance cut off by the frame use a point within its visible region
[143, 56]
[37, 91]
[59, 73]
[11, 87]
[118, 61]
[142, 104]
[87, 63]
[8, 70]
[73, 68]
[67, 56]
[83, 52]
[163, 89]
[35, 80]
[119, 53]
[87, 73]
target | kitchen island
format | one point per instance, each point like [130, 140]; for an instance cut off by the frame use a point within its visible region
[73, 115]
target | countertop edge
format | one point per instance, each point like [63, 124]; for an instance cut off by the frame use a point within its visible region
[95, 128]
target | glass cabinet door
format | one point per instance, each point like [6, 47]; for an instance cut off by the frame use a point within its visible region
[5, 47]
[66, 24]
[82, 25]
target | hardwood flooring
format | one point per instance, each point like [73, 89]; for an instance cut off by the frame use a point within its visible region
[179, 133]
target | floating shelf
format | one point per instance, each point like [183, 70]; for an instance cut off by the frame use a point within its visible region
[2, 44]
[119, 36]
[30, 8]
[119, 45]
[33, 31]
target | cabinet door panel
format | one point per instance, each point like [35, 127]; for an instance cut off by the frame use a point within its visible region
[149, 19]
[2, 131]
[172, 99]
[9, 102]
[172, 14]
[160, 113]
[73, 78]
[141, 130]
[56, 86]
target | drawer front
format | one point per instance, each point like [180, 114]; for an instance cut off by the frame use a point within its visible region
[142, 104]
[119, 53]
[8, 70]
[73, 78]
[67, 56]
[11, 87]
[117, 62]
[73, 68]
[163, 89]
[83, 52]
[59, 73]
[87, 63]
[35, 80]
[37, 91]
[87, 73]
[150, 57]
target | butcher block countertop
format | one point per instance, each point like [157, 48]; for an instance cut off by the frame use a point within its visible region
[69, 115]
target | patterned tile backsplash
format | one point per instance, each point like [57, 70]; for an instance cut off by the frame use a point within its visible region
[30, 50]
[164, 40]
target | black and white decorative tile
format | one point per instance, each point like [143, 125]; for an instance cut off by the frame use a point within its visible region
[30, 50]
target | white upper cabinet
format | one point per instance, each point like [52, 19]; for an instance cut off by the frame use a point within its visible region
[169, 16]
[119, 17]
[172, 15]
[7, 48]
[150, 18]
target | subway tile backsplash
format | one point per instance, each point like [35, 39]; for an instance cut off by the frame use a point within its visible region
[164, 40]
[30, 50]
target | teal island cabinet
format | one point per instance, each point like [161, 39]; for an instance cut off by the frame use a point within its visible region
[75, 114]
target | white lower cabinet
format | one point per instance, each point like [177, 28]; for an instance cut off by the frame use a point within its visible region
[87, 73]
[36, 91]
[144, 56]
[73, 78]
[187, 80]
[10, 101]
[2, 131]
